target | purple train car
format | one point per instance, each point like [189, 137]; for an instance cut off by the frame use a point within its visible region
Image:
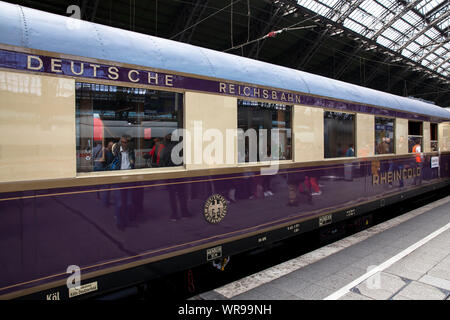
[126, 156]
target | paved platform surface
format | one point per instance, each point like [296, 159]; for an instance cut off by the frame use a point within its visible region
[407, 257]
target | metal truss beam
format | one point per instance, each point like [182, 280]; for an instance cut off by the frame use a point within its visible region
[429, 44]
[395, 19]
[273, 18]
[189, 16]
[432, 62]
[441, 64]
[341, 16]
[421, 32]
[89, 9]
[349, 10]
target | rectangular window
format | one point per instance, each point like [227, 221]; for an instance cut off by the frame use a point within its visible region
[384, 135]
[415, 135]
[125, 128]
[434, 136]
[339, 134]
[265, 131]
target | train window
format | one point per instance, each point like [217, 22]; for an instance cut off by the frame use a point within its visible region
[111, 120]
[415, 135]
[434, 136]
[384, 135]
[259, 122]
[339, 134]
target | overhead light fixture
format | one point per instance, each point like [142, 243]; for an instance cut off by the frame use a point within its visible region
[372, 47]
[336, 32]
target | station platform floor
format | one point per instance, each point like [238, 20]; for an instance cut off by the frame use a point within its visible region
[405, 258]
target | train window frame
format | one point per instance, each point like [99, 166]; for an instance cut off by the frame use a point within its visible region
[393, 139]
[138, 171]
[355, 136]
[435, 141]
[271, 161]
[415, 136]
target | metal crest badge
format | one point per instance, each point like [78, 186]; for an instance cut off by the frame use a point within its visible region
[215, 208]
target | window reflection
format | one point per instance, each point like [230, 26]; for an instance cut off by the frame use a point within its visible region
[255, 117]
[131, 126]
[384, 135]
[339, 134]
[415, 136]
[434, 136]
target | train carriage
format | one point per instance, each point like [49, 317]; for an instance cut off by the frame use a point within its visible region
[223, 154]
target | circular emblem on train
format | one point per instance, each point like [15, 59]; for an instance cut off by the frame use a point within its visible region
[215, 208]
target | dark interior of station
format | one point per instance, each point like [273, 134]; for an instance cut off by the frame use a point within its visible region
[396, 46]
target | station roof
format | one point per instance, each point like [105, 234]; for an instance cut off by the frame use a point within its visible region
[416, 29]
[99, 41]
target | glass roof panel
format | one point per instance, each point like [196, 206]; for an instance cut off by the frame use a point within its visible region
[426, 6]
[385, 41]
[440, 51]
[405, 26]
[352, 25]
[401, 25]
[330, 3]
[444, 24]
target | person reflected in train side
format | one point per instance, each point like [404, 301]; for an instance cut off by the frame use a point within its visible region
[390, 162]
[178, 192]
[304, 187]
[109, 157]
[248, 182]
[266, 183]
[231, 196]
[398, 166]
[295, 183]
[348, 167]
[312, 182]
[125, 158]
[267, 179]
[417, 150]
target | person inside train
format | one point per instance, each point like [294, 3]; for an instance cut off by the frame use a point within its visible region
[109, 158]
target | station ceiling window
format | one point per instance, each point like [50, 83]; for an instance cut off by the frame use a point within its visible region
[417, 30]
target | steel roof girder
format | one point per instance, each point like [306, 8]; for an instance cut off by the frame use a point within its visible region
[429, 26]
[395, 18]
[349, 11]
